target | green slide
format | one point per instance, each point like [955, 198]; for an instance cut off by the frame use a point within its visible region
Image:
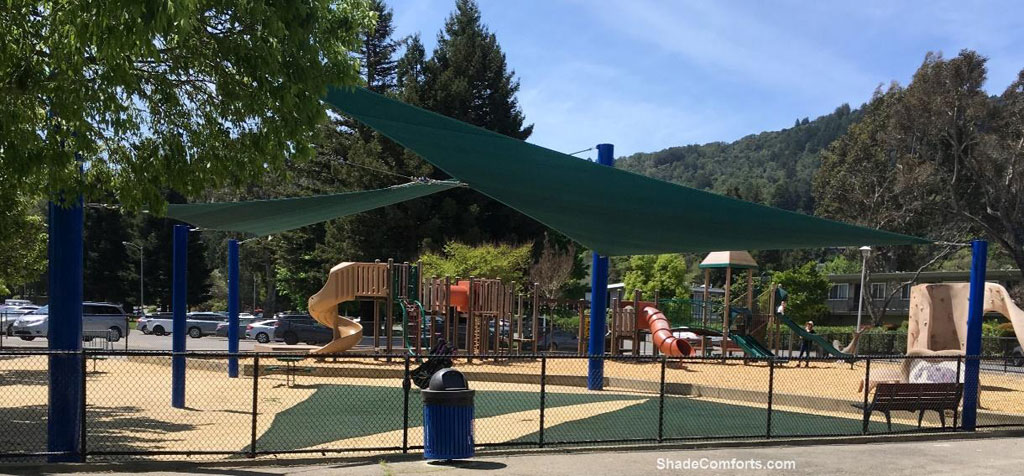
[751, 346]
[817, 339]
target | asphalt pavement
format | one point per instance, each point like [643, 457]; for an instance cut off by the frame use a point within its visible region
[139, 341]
[977, 456]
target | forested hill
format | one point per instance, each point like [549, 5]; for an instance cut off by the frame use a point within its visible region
[773, 167]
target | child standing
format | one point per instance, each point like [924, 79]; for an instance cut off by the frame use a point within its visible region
[805, 346]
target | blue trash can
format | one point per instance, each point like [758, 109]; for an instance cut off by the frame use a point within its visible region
[448, 416]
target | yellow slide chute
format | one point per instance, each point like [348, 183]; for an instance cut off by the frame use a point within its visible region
[341, 286]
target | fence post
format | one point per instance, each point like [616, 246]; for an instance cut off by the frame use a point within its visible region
[543, 395]
[405, 409]
[771, 394]
[81, 415]
[956, 409]
[255, 399]
[867, 388]
[661, 402]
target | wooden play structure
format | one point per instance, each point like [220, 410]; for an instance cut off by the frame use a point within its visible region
[478, 316]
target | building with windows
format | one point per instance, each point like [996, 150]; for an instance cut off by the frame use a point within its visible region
[845, 290]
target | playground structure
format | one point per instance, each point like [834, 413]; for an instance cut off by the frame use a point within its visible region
[689, 221]
[475, 315]
[938, 316]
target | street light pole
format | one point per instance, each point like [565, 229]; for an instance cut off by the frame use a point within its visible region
[865, 252]
[142, 298]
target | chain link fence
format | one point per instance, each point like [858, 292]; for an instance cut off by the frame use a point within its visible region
[299, 404]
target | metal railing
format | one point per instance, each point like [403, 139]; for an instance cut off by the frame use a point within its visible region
[300, 404]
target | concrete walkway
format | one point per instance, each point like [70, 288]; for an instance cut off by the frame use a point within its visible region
[977, 457]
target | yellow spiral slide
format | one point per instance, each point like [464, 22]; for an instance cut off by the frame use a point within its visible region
[323, 306]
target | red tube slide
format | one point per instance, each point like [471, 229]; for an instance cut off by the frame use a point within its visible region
[661, 332]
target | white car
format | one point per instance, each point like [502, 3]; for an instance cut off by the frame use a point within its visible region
[261, 331]
[197, 324]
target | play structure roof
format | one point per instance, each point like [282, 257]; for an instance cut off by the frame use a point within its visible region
[611, 211]
[729, 259]
[263, 217]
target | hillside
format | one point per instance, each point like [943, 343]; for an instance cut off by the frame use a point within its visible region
[773, 167]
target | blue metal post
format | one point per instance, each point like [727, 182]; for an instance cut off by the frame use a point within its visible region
[975, 313]
[233, 307]
[63, 424]
[598, 296]
[179, 301]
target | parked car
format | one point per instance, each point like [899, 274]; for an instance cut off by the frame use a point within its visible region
[243, 323]
[1016, 356]
[9, 314]
[146, 323]
[98, 319]
[261, 330]
[293, 328]
[197, 324]
[559, 340]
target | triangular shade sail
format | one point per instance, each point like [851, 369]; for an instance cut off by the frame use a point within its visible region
[263, 217]
[608, 210]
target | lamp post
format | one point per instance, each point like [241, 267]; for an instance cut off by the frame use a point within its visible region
[865, 252]
[142, 296]
[269, 237]
[142, 300]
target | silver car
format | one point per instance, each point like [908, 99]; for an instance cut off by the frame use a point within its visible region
[197, 324]
[98, 320]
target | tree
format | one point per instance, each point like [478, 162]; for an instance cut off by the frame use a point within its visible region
[467, 78]
[377, 53]
[146, 97]
[939, 157]
[22, 240]
[667, 275]
[808, 291]
[107, 264]
[506, 262]
[553, 269]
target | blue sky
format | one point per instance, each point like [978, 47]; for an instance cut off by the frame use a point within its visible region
[649, 74]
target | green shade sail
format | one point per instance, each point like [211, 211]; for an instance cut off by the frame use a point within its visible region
[263, 217]
[611, 211]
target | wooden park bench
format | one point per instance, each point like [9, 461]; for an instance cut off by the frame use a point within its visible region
[913, 397]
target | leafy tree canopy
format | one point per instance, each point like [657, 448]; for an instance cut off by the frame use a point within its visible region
[666, 274]
[506, 262]
[808, 291]
[180, 95]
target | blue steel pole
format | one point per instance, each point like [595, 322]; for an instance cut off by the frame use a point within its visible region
[179, 297]
[598, 295]
[233, 307]
[975, 313]
[63, 424]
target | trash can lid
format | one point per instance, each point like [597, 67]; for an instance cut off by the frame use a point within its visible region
[448, 379]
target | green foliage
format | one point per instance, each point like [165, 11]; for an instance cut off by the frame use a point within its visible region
[667, 274]
[841, 264]
[937, 157]
[808, 291]
[506, 262]
[181, 95]
[774, 167]
[22, 240]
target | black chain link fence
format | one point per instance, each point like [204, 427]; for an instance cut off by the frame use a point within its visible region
[284, 404]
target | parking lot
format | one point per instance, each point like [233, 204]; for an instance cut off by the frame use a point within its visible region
[140, 341]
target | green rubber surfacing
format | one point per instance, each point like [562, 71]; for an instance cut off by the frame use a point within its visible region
[337, 412]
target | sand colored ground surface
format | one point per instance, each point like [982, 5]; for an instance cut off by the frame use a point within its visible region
[129, 399]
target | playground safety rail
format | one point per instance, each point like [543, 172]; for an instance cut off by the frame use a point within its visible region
[299, 404]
